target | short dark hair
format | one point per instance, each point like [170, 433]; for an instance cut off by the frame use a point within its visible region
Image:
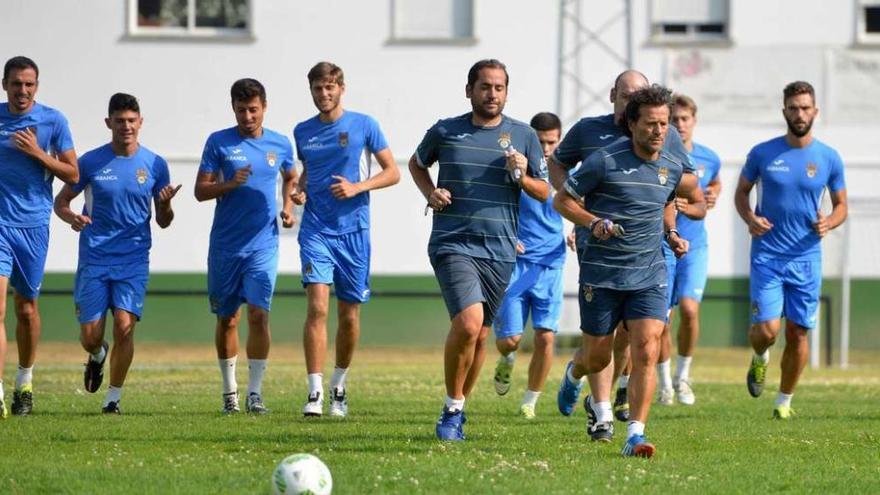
[652, 96]
[122, 101]
[474, 72]
[326, 71]
[246, 89]
[19, 63]
[686, 102]
[546, 121]
[798, 88]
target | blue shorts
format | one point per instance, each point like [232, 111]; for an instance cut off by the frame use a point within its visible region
[533, 288]
[98, 288]
[465, 280]
[687, 275]
[234, 278]
[602, 309]
[341, 260]
[23, 258]
[781, 287]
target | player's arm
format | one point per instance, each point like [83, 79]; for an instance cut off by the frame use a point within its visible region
[678, 244]
[689, 198]
[571, 208]
[388, 176]
[288, 183]
[558, 172]
[298, 193]
[437, 197]
[839, 212]
[63, 166]
[758, 226]
[536, 188]
[162, 203]
[209, 187]
[62, 208]
[713, 190]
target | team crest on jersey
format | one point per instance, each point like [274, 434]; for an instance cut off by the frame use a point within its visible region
[663, 175]
[141, 175]
[504, 140]
[308, 269]
[271, 157]
[588, 293]
[701, 170]
[343, 139]
[811, 170]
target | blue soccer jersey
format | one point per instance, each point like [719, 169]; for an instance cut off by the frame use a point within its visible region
[245, 218]
[541, 232]
[706, 167]
[119, 191]
[482, 220]
[25, 185]
[790, 184]
[344, 148]
[618, 185]
[594, 133]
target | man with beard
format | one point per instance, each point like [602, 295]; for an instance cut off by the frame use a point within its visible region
[486, 159]
[787, 227]
[336, 147]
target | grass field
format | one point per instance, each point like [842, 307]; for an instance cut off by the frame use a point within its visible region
[172, 439]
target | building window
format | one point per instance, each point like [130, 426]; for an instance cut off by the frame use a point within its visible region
[868, 22]
[432, 21]
[689, 21]
[191, 18]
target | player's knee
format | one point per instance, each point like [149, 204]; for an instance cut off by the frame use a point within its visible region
[544, 340]
[508, 344]
[227, 323]
[123, 331]
[596, 361]
[690, 310]
[258, 317]
[795, 333]
[765, 331]
[317, 311]
[26, 309]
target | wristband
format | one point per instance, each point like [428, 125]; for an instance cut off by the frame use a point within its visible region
[594, 221]
[670, 232]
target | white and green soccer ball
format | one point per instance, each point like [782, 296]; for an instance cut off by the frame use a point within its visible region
[301, 474]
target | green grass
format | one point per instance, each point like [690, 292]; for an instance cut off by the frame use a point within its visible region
[172, 438]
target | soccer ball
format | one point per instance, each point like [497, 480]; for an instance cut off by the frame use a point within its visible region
[301, 474]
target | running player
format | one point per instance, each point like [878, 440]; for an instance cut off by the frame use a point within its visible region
[787, 227]
[335, 148]
[486, 159]
[240, 167]
[536, 284]
[120, 179]
[585, 137]
[627, 191]
[687, 277]
[35, 147]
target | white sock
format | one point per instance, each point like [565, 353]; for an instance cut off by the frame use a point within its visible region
[316, 383]
[784, 399]
[531, 398]
[337, 381]
[664, 375]
[24, 377]
[227, 372]
[1, 389]
[256, 370]
[510, 358]
[571, 377]
[763, 358]
[99, 355]
[602, 410]
[454, 404]
[635, 428]
[623, 381]
[683, 368]
[114, 394]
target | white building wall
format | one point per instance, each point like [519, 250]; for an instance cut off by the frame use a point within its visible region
[85, 54]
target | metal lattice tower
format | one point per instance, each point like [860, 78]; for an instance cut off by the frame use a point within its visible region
[593, 47]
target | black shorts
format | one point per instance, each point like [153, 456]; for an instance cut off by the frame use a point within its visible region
[602, 309]
[465, 280]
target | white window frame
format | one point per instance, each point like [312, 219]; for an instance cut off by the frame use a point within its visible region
[863, 37]
[191, 31]
[395, 36]
[692, 36]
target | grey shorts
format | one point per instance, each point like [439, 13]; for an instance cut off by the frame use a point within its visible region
[465, 280]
